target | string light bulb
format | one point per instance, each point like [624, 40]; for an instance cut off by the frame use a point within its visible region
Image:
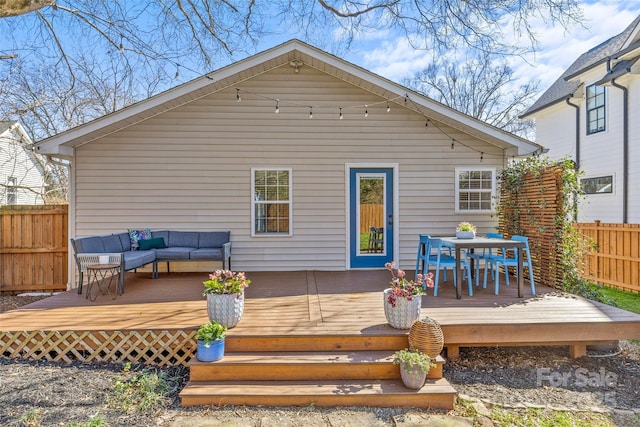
[452, 143]
[481, 155]
[388, 107]
[277, 106]
[238, 99]
[341, 116]
[366, 111]
[311, 112]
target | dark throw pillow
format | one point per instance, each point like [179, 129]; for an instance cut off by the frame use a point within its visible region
[156, 243]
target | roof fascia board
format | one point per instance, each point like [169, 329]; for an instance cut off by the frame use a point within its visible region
[633, 36]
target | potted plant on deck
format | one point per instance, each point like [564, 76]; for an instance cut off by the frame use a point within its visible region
[465, 230]
[225, 296]
[210, 338]
[403, 298]
[414, 367]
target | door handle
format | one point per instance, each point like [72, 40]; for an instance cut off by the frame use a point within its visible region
[390, 222]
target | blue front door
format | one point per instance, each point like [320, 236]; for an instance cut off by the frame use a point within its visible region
[371, 217]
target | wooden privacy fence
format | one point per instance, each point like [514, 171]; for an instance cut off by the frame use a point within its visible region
[371, 216]
[615, 261]
[33, 248]
[532, 212]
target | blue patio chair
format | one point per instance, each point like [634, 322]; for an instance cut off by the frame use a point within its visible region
[442, 260]
[423, 251]
[485, 255]
[512, 261]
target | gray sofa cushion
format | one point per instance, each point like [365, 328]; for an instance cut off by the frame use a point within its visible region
[183, 239]
[125, 241]
[112, 243]
[173, 253]
[162, 233]
[213, 239]
[135, 259]
[89, 245]
[206, 254]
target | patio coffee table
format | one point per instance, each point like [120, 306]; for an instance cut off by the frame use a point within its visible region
[101, 273]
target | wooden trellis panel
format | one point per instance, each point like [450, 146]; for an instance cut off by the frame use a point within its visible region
[533, 211]
[161, 348]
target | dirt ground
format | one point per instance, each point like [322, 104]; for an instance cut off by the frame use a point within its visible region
[512, 377]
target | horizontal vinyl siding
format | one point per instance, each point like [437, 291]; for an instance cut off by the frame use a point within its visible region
[190, 169]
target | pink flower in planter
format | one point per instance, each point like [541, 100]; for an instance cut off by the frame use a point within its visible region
[401, 287]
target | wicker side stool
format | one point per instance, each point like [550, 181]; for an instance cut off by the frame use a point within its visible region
[426, 336]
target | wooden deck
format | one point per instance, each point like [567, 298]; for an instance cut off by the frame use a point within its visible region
[306, 338]
[311, 304]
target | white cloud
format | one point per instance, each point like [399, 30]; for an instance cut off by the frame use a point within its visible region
[557, 48]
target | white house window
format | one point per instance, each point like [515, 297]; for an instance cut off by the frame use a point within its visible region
[12, 190]
[595, 109]
[271, 201]
[598, 185]
[475, 189]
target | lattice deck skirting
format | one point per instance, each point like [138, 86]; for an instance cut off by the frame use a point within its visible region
[161, 348]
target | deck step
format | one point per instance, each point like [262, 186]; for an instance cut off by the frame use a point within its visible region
[314, 343]
[268, 366]
[382, 393]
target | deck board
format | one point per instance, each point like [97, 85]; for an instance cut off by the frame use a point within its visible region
[321, 303]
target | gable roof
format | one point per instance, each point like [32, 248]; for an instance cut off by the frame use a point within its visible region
[565, 86]
[15, 127]
[63, 143]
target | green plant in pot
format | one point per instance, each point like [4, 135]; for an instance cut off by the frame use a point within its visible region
[210, 338]
[414, 367]
[465, 230]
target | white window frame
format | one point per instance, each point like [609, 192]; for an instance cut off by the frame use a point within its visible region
[599, 193]
[255, 202]
[12, 190]
[458, 171]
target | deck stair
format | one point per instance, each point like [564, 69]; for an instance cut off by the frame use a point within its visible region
[319, 370]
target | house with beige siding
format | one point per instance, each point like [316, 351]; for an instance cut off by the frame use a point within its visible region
[590, 114]
[295, 151]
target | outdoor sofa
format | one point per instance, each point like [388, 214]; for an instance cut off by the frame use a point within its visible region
[137, 248]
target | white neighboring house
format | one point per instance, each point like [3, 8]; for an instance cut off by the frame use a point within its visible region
[592, 114]
[22, 177]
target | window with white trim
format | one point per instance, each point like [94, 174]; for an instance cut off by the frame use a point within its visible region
[12, 190]
[475, 189]
[271, 201]
[597, 185]
[595, 109]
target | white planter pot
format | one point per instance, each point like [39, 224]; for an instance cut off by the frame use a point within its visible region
[405, 311]
[225, 309]
[465, 234]
[413, 378]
